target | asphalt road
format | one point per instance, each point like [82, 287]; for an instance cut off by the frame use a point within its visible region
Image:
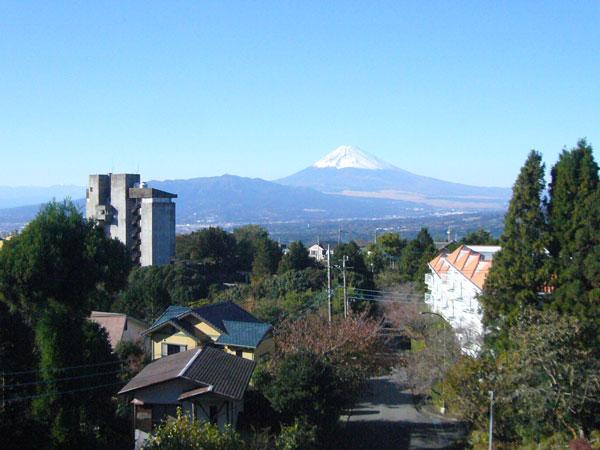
[386, 419]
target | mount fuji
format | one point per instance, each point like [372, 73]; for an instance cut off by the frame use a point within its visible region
[350, 171]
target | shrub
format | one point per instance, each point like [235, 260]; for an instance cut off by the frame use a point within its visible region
[183, 433]
[298, 436]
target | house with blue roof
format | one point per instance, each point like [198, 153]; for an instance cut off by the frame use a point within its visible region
[224, 325]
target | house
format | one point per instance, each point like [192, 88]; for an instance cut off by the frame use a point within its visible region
[4, 239]
[318, 253]
[225, 325]
[454, 283]
[119, 327]
[207, 383]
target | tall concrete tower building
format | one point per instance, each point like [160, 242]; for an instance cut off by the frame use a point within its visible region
[142, 218]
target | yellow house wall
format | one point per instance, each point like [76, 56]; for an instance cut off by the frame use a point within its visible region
[177, 339]
[208, 330]
[247, 353]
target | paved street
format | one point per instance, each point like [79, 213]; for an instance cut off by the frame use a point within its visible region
[387, 419]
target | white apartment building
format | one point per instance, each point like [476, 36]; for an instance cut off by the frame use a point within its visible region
[454, 283]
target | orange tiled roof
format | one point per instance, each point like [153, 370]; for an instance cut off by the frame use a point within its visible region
[467, 261]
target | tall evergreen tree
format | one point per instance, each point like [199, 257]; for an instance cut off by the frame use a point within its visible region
[296, 258]
[49, 274]
[572, 206]
[415, 256]
[520, 269]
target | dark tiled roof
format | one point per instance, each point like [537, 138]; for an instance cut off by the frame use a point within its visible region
[243, 334]
[171, 312]
[162, 369]
[238, 326]
[216, 313]
[228, 374]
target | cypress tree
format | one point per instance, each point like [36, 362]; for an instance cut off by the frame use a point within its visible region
[574, 229]
[519, 272]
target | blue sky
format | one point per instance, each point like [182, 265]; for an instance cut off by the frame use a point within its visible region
[455, 90]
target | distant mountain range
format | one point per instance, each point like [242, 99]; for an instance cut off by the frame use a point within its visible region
[351, 172]
[347, 184]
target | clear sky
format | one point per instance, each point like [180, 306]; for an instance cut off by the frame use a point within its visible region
[452, 89]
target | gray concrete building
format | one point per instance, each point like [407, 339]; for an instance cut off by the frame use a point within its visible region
[142, 218]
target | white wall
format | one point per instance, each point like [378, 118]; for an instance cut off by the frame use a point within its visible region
[455, 297]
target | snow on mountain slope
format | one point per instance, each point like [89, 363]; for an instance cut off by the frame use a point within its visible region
[348, 157]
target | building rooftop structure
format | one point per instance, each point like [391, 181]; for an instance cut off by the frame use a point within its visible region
[211, 369]
[472, 261]
[140, 217]
[237, 326]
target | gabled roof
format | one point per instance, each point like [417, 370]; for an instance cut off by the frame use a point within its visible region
[161, 370]
[216, 313]
[473, 262]
[229, 375]
[114, 324]
[225, 374]
[243, 334]
[237, 326]
[170, 313]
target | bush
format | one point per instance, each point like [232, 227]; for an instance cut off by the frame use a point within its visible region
[183, 433]
[298, 436]
[305, 387]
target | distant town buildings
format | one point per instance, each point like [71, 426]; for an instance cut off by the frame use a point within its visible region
[455, 281]
[142, 218]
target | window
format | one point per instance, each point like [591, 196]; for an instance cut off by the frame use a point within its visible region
[171, 349]
[239, 353]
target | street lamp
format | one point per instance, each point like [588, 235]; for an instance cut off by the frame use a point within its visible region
[443, 409]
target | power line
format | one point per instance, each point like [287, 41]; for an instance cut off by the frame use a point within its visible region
[60, 380]
[61, 369]
[32, 397]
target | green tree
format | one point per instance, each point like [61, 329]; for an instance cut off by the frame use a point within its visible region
[248, 239]
[266, 259]
[415, 256]
[213, 247]
[49, 273]
[520, 270]
[16, 357]
[358, 275]
[304, 387]
[573, 219]
[391, 244]
[152, 289]
[477, 237]
[296, 259]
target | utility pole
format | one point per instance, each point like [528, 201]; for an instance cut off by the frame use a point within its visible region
[328, 283]
[344, 259]
[490, 441]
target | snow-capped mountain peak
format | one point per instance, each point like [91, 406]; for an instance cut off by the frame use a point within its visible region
[346, 156]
